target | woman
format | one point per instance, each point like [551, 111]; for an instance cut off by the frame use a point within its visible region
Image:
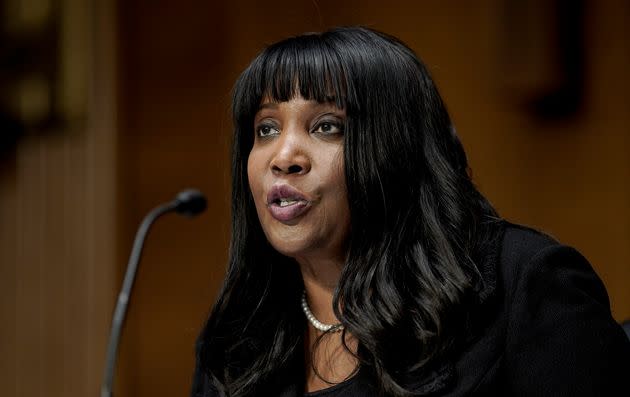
[363, 260]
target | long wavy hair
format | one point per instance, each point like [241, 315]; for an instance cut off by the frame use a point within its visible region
[419, 227]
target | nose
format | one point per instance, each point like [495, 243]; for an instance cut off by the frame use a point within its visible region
[291, 155]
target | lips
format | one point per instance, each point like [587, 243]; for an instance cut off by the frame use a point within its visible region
[286, 203]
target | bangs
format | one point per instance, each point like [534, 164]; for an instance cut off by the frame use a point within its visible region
[301, 66]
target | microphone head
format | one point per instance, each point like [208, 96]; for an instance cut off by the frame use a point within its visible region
[190, 202]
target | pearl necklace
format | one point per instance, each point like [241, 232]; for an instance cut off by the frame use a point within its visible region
[315, 322]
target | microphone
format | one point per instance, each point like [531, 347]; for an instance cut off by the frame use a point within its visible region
[189, 203]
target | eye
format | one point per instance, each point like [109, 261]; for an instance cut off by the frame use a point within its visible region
[329, 127]
[265, 130]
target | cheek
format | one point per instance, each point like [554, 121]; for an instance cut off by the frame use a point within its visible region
[255, 181]
[254, 175]
[337, 176]
[250, 170]
[336, 179]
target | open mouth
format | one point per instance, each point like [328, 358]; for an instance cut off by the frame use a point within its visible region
[285, 202]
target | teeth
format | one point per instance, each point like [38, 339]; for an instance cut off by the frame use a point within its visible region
[286, 202]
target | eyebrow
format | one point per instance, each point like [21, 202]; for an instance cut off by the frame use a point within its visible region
[268, 105]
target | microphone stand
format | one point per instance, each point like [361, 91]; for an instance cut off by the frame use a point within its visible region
[190, 203]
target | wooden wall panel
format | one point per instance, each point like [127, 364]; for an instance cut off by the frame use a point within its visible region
[57, 235]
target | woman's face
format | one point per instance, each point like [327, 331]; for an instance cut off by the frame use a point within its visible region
[296, 175]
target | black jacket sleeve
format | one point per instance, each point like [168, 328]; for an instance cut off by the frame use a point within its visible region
[561, 338]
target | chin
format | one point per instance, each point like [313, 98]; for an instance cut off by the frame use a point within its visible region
[290, 248]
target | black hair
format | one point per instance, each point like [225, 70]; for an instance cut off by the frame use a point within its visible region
[419, 226]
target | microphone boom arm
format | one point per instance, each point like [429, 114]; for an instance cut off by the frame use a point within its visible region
[189, 203]
[123, 297]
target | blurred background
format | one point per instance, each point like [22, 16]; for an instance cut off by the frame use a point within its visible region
[109, 108]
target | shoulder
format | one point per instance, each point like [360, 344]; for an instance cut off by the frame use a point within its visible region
[527, 253]
[559, 324]
[526, 236]
[521, 243]
[538, 272]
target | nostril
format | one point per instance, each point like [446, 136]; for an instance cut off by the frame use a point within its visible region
[289, 168]
[294, 169]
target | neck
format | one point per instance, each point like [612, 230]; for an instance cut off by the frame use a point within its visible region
[320, 280]
[326, 359]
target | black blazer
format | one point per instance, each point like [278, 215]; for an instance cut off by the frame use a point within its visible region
[546, 330]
